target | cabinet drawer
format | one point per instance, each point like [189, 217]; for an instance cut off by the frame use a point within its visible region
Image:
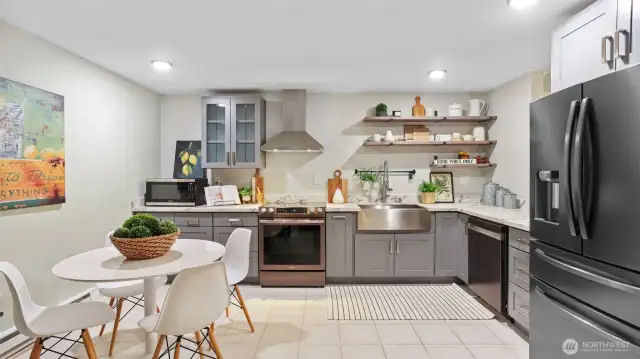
[161, 215]
[221, 235]
[253, 265]
[194, 219]
[519, 268]
[519, 239]
[204, 233]
[235, 219]
[518, 305]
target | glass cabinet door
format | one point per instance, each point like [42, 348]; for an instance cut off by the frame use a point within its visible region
[216, 129]
[245, 133]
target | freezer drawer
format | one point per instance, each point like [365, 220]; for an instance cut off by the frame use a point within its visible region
[562, 327]
[610, 289]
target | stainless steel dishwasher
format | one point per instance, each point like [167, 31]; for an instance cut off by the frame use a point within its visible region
[488, 261]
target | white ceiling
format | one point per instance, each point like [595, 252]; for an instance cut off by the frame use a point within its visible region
[321, 45]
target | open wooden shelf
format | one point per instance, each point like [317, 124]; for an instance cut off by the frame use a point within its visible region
[429, 143]
[411, 119]
[477, 165]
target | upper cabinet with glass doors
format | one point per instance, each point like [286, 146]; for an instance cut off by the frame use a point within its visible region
[233, 129]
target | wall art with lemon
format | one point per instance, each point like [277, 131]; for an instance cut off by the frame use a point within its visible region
[32, 161]
[188, 161]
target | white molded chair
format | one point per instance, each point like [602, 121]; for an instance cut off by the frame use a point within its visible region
[123, 291]
[236, 259]
[43, 323]
[195, 300]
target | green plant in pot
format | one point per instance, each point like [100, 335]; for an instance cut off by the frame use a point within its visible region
[381, 110]
[245, 193]
[143, 236]
[428, 191]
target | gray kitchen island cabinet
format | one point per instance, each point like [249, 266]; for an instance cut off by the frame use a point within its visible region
[414, 255]
[447, 244]
[204, 233]
[463, 248]
[339, 248]
[374, 255]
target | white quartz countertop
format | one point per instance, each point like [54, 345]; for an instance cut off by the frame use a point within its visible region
[509, 217]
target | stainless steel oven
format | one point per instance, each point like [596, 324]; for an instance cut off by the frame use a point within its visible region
[175, 192]
[292, 246]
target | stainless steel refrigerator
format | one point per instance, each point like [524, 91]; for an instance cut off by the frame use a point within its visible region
[585, 220]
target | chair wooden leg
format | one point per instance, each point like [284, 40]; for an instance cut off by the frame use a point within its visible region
[88, 344]
[37, 349]
[176, 353]
[198, 340]
[115, 326]
[156, 354]
[244, 308]
[214, 344]
[210, 337]
[226, 311]
[104, 325]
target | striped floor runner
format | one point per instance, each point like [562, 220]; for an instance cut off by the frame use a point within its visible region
[403, 302]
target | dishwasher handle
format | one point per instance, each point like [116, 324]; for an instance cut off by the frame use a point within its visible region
[485, 232]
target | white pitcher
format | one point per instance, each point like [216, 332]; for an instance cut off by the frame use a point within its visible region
[477, 107]
[479, 133]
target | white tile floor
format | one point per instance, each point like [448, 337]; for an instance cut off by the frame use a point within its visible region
[293, 324]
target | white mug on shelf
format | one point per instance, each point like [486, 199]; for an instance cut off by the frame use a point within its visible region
[479, 133]
[477, 107]
[431, 112]
[376, 137]
[455, 109]
[467, 137]
[456, 136]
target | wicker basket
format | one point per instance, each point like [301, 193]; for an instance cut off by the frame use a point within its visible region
[145, 248]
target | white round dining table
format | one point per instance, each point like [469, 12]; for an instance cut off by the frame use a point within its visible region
[108, 265]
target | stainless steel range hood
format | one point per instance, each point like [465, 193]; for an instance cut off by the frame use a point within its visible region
[293, 138]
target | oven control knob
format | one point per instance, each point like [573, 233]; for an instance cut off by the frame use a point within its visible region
[271, 210]
[311, 210]
[319, 210]
[263, 210]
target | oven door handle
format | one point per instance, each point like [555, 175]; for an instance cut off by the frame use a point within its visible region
[289, 221]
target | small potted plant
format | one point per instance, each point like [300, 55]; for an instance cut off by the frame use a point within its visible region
[381, 110]
[428, 192]
[367, 179]
[245, 193]
[143, 236]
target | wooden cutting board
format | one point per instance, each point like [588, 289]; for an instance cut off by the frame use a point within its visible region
[259, 187]
[337, 182]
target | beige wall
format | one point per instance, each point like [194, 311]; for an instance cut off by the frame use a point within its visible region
[112, 143]
[335, 120]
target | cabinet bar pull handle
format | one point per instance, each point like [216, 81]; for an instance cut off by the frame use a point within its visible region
[391, 247]
[234, 220]
[233, 158]
[626, 43]
[228, 158]
[339, 217]
[397, 247]
[522, 240]
[605, 54]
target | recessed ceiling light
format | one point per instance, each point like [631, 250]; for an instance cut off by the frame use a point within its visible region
[437, 74]
[521, 4]
[161, 66]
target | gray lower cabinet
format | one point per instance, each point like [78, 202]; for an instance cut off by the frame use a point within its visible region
[161, 215]
[254, 269]
[463, 248]
[414, 255]
[446, 244]
[221, 235]
[519, 267]
[339, 234]
[204, 233]
[518, 305]
[374, 255]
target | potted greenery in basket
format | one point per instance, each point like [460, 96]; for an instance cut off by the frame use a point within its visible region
[381, 110]
[428, 192]
[245, 193]
[143, 236]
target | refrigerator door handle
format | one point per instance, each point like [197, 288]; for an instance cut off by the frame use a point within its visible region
[577, 180]
[583, 322]
[588, 275]
[565, 177]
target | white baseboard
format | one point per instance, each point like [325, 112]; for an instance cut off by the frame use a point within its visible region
[18, 342]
